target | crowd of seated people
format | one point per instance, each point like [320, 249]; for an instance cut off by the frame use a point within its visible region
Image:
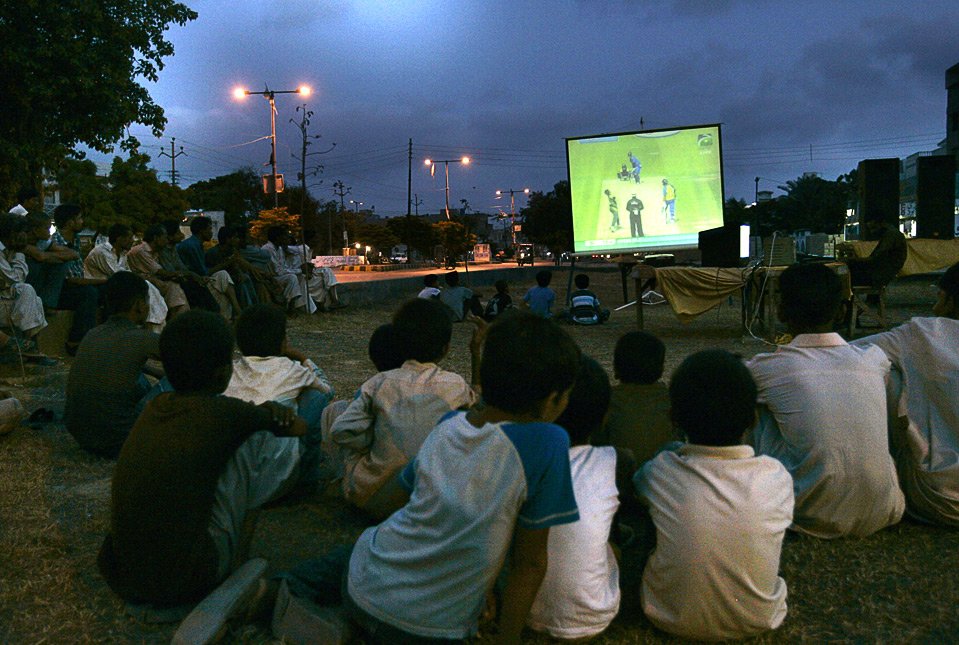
[504, 502]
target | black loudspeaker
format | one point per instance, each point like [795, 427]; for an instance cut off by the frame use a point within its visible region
[719, 247]
[936, 197]
[878, 191]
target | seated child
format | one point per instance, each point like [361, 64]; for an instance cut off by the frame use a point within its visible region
[638, 418]
[192, 472]
[271, 369]
[584, 307]
[429, 290]
[484, 481]
[720, 511]
[499, 303]
[540, 298]
[460, 300]
[579, 596]
[824, 413]
[924, 435]
[384, 427]
[107, 379]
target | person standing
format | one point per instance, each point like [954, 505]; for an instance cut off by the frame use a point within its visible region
[669, 201]
[635, 209]
[613, 210]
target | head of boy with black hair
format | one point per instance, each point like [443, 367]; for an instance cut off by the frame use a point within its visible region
[423, 329]
[190, 371]
[638, 358]
[588, 402]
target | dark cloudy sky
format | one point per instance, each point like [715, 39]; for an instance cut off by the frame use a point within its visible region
[798, 86]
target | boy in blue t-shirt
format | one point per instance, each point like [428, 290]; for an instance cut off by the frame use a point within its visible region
[496, 476]
[540, 298]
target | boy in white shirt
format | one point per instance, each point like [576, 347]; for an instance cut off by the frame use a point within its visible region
[384, 427]
[924, 429]
[580, 595]
[272, 370]
[720, 511]
[824, 413]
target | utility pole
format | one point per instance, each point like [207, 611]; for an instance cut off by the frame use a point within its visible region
[173, 154]
[409, 203]
[417, 202]
[342, 191]
[303, 125]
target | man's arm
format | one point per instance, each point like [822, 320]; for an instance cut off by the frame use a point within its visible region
[526, 573]
[391, 497]
[353, 430]
[55, 254]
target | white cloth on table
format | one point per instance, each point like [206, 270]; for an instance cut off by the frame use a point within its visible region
[721, 514]
[823, 415]
[579, 596]
[102, 262]
[925, 355]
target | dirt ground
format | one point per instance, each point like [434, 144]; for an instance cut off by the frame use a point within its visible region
[899, 585]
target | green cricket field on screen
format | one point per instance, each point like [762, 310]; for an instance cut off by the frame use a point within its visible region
[645, 191]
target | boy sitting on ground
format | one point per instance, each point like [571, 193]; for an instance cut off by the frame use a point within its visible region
[540, 298]
[485, 480]
[384, 427]
[924, 432]
[192, 472]
[580, 595]
[271, 369]
[638, 418]
[584, 307]
[499, 303]
[460, 300]
[824, 413]
[107, 379]
[429, 290]
[720, 511]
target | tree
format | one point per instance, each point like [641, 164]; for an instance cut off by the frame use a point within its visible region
[415, 231]
[137, 196]
[78, 183]
[72, 73]
[236, 194]
[274, 217]
[378, 236]
[812, 203]
[454, 237]
[548, 218]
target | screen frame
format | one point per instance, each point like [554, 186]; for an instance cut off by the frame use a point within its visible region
[645, 249]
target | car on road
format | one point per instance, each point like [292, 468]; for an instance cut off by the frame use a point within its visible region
[524, 254]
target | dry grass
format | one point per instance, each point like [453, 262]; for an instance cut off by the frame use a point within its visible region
[899, 585]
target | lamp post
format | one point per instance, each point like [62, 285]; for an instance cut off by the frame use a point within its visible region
[446, 166]
[512, 208]
[270, 95]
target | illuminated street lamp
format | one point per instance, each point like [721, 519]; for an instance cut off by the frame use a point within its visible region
[270, 95]
[512, 207]
[446, 164]
[356, 205]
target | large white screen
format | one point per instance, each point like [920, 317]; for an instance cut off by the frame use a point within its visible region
[644, 191]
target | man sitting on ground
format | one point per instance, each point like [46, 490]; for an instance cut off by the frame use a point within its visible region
[296, 289]
[823, 413]
[584, 307]
[226, 252]
[721, 511]
[459, 300]
[110, 257]
[271, 369]
[144, 260]
[885, 261]
[20, 306]
[430, 288]
[540, 298]
[192, 473]
[924, 428]
[216, 278]
[106, 379]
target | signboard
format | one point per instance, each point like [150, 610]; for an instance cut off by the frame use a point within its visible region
[481, 254]
[336, 260]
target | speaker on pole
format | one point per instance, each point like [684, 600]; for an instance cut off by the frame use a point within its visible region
[878, 191]
[936, 197]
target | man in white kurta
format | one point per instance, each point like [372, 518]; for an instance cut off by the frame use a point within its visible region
[290, 279]
[823, 414]
[109, 257]
[20, 306]
[924, 393]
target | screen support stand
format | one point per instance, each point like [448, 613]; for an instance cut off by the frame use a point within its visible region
[569, 280]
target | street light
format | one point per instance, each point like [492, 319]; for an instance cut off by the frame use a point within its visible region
[446, 165]
[512, 208]
[270, 95]
[356, 205]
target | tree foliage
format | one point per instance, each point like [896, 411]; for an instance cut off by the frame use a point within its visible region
[236, 194]
[548, 218]
[274, 217]
[414, 231]
[454, 237]
[72, 73]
